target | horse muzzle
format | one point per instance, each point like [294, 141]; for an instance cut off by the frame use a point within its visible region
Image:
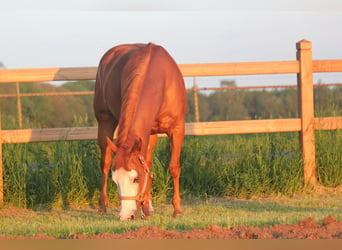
[128, 216]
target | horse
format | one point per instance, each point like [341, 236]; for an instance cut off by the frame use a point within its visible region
[139, 91]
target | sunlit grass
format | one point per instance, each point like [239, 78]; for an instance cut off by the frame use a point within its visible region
[67, 175]
[198, 214]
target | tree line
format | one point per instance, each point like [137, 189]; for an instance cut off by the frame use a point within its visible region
[218, 105]
[251, 104]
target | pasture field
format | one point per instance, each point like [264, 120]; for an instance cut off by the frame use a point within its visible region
[198, 214]
[52, 189]
[66, 174]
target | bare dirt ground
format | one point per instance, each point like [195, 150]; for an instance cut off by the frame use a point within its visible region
[305, 229]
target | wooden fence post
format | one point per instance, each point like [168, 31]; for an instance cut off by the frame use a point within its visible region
[19, 108]
[306, 110]
[197, 117]
[1, 170]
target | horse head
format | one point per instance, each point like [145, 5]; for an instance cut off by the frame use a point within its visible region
[133, 178]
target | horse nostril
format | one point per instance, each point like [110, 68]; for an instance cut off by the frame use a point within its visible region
[130, 216]
[126, 218]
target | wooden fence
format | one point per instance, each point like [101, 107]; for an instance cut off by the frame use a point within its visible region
[306, 124]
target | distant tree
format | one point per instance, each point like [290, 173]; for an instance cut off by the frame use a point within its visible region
[338, 99]
[47, 111]
[227, 104]
[289, 102]
[8, 106]
[327, 101]
[202, 104]
[85, 85]
[85, 100]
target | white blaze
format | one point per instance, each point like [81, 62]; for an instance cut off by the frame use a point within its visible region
[125, 180]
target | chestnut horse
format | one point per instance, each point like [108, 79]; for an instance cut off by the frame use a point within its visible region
[139, 89]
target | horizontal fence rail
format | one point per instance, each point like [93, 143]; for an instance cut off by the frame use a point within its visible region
[188, 70]
[78, 93]
[304, 67]
[195, 128]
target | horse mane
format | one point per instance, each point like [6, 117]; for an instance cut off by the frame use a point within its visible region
[132, 80]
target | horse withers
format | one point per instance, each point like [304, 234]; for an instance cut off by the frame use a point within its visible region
[139, 89]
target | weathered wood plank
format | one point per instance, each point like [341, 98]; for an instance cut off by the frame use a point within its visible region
[328, 123]
[47, 74]
[306, 111]
[243, 127]
[243, 68]
[49, 134]
[188, 70]
[321, 66]
[209, 69]
[200, 128]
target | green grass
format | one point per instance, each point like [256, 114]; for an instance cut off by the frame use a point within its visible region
[59, 175]
[198, 213]
[242, 166]
[53, 188]
[329, 157]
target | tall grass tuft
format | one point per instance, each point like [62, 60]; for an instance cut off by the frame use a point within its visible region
[68, 176]
[15, 167]
[329, 157]
[241, 165]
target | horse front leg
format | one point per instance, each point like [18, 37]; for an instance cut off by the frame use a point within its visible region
[105, 166]
[147, 207]
[176, 141]
[106, 128]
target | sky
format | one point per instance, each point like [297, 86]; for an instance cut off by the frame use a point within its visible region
[76, 33]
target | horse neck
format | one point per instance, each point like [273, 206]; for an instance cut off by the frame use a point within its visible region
[131, 124]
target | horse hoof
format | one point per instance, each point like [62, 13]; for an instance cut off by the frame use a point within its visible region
[145, 217]
[177, 213]
[102, 211]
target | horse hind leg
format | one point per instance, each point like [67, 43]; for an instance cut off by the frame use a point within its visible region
[176, 141]
[176, 200]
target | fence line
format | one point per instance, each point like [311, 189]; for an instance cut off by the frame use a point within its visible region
[188, 70]
[306, 124]
[73, 93]
[195, 90]
[194, 128]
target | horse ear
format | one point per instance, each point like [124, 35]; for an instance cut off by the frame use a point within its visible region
[111, 144]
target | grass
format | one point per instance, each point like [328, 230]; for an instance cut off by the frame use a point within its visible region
[61, 175]
[198, 213]
[53, 188]
[242, 166]
[329, 157]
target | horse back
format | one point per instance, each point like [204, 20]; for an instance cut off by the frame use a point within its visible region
[140, 75]
[107, 98]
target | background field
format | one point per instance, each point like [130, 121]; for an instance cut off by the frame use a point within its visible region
[257, 179]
